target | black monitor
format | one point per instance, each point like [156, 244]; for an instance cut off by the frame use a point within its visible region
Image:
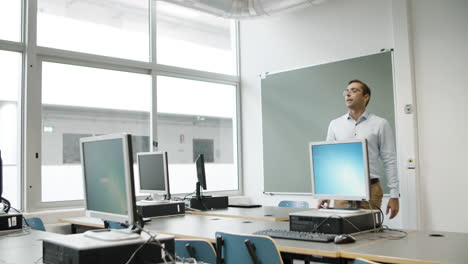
[201, 177]
[6, 204]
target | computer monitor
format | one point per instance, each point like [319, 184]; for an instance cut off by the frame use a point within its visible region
[201, 177]
[107, 165]
[154, 173]
[339, 170]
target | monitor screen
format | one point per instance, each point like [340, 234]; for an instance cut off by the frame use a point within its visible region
[153, 173]
[339, 170]
[200, 164]
[108, 177]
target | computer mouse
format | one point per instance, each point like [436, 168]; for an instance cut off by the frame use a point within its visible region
[344, 239]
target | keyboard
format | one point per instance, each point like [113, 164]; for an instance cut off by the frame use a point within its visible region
[296, 235]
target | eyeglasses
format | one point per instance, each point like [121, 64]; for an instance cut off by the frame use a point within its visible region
[352, 90]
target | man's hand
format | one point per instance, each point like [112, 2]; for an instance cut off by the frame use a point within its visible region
[394, 206]
[323, 204]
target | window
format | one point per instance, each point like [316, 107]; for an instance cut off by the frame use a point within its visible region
[81, 101]
[10, 83]
[193, 39]
[106, 27]
[194, 117]
[10, 20]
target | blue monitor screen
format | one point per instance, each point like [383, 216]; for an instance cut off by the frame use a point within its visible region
[339, 170]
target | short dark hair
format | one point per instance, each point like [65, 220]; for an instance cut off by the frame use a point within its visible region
[365, 88]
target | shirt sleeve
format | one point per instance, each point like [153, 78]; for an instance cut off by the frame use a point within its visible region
[388, 155]
[331, 132]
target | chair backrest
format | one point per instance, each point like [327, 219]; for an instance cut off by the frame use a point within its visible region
[113, 225]
[234, 248]
[35, 223]
[199, 249]
[298, 204]
[364, 261]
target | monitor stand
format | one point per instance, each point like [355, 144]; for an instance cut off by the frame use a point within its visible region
[155, 199]
[113, 234]
[351, 209]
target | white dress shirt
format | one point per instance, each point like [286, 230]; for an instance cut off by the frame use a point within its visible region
[380, 144]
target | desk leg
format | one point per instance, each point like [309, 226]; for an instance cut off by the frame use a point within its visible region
[73, 228]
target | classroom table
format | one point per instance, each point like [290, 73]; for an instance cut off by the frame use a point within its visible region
[205, 227]
[415, 248]
[267, 213]
[390, 246]
[23, 246]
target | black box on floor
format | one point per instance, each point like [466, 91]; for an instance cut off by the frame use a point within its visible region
[208, 202]
[331, 222]
[11, 221]
[162, 209]
[79, 249]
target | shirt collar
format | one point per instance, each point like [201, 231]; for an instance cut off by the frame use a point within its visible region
[363, 117]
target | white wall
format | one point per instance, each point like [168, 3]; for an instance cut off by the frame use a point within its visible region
[440, 37]
[332, 31]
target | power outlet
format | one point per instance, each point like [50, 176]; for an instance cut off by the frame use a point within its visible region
[410, 164]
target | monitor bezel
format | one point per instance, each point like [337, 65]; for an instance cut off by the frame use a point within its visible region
[366, 168]
[130, 217]
[201, 172]
[166, 173]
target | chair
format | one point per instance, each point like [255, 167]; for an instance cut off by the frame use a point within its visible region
[113, 225]
[297, 204]
[35, 223]
[364, 261]
[236, 248]
[198, 249]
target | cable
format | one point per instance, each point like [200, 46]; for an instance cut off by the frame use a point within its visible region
[6, 204]
[386, 228]
[381, 212]
[185, 197]
[151, 240]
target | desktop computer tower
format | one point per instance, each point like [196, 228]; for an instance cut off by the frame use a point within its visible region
[208, 203]
[11, 221]
[331, 222]
[161, 209]
[79, 249]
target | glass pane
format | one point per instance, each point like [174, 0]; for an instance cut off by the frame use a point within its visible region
[10, 83]
[198, 117]
[114, 28]
[193, 39]
[10, 20]
[80, 102]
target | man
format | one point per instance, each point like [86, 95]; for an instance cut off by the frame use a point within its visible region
[358, 123]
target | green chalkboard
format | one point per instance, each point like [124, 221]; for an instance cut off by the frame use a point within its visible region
[298, 105]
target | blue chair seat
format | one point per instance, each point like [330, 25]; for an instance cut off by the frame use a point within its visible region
[199, 249]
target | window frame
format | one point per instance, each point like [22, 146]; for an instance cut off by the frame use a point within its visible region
[31, 99]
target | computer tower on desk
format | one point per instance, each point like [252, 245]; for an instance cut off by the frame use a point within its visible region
[208, 202]
[330, 222]
[160, 209]
[79, 249]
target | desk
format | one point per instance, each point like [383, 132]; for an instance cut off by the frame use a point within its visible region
[23, 247]
[417, 247]
[265, 213]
